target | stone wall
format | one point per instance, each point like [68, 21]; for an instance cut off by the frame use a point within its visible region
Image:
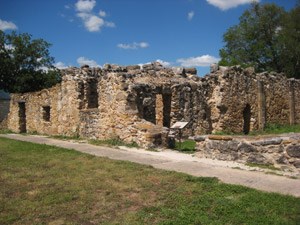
[53, 111]
[139, 104]
[4, 109]
[281, 150]
[295, 101]
[241, 100]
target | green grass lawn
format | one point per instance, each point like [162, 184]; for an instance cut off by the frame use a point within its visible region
[187, 146]
[42, 184]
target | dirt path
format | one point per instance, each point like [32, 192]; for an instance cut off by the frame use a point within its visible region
[174, 161]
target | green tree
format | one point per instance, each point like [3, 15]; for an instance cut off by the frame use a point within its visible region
[255, 41]
[25, 63]
[290, 43]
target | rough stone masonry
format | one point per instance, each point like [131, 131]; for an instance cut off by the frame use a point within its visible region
[139, 104]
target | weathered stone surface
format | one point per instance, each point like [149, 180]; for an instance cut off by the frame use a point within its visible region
[190, 71]
[220, 137]
[178, 70]
[273, 141]
[256, 158]
[297, 163]
[293, 151]
[246, 148]
[199, 138]
[214, 67]
[133, 67]
[242, 150]
[282, 160]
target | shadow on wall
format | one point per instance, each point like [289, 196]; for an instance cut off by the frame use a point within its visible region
[247, 119]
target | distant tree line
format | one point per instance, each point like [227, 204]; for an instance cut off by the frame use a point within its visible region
[25, 63]
[267, 38]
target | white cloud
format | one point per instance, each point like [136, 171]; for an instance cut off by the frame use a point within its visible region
[60, 65]
[67, 6]
[84, 61]
[83, 15]
[91, 21]
[6, 25]
[227, 4]
[110, 24]
[204, 60]
[143, 45]
[102, 13]
[134, 45]
[191, 15]
[85, 5]
[164, 63]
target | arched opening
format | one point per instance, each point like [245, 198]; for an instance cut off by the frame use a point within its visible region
[247, 119]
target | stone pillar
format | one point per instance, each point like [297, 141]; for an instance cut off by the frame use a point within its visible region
[159, 113]
[261, 105]
[292, 101]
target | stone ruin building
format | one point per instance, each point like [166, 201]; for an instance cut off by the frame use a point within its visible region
[139, 104]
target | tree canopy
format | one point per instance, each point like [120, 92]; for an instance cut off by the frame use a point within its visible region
[267, 38]
[25, 63]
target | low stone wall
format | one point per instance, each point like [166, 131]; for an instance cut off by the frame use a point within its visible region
[274, 150]
[4, 109]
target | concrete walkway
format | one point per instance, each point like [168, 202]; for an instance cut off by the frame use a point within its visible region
[174, 161]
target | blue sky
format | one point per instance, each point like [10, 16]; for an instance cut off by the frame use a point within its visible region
[176, 32]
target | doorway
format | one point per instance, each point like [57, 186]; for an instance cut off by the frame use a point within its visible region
[247, 119]
[166, 110]
[22, 117]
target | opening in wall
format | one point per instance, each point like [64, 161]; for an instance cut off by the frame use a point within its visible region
[46, 113]
[81, 95]
[92, 95]
[22, 117]
[167, 110]
[247, 119]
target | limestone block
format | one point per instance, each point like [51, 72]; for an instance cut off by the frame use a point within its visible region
[256, 158]
[220, 137]
[121, 96]
[293, 151]
[272, 141]
[144, 126]
[199, 138]
[297, 163]
[246, 148]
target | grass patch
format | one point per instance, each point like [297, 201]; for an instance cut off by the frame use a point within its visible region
[6, 131]
[187, 146]
[42, 184]
[278, 129]
[269, 129]
[113, 142]
[263, 166]
[225, 133]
